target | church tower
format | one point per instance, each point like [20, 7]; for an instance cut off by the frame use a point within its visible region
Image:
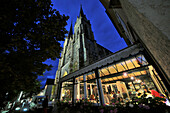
[80, 49]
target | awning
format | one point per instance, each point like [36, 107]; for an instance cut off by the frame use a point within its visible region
[118, 56]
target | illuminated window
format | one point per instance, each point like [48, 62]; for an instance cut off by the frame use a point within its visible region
[112, 69]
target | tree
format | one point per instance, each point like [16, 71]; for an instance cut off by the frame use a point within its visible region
[29, 35]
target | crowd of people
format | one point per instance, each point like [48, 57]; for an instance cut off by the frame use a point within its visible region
[114, 97]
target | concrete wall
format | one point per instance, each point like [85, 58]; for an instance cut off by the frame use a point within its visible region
[151, 21]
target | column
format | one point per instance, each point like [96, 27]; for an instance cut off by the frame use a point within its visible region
[99, 86]
[85, 87]
[91, 90]
[78, 89]
[59, 91]
[111, 87]
[106, 88]
[74, 92]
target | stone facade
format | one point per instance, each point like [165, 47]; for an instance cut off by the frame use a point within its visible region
[80, 48]
[146, 22]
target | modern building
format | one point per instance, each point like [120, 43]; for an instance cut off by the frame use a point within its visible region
[146, 22]
[129, 70]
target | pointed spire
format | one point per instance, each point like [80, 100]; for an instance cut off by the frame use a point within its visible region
[71, 30]
[81, 11]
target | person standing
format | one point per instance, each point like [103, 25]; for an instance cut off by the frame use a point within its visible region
[45, 104]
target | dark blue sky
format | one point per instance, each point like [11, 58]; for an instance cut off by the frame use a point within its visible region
[104, 32]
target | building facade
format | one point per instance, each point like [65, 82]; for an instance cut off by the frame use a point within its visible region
[146, 22]
[127, 71]
[80, 48]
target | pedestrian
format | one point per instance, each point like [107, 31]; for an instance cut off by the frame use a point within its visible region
[45, 104]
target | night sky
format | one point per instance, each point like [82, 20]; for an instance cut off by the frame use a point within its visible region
[104, 32]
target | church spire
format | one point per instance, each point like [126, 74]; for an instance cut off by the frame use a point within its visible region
[81, 11]
[71, 30]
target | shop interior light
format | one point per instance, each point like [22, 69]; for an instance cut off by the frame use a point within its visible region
[62, 94]
[132, 78]
[125, 74]
[138, 80]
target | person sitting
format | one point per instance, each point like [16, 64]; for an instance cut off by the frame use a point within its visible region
[92, 97]
[154, 93]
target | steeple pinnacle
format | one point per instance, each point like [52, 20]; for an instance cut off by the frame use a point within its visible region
[81, 12]
[71, 30]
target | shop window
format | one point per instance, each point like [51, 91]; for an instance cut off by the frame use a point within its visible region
[114, 88]
[101, 73]
[141, 60]
[120, 67]
[124, 65]
[92, 91]
[67, 91]
[79, 88]
[130, 65]
[90, 76]
[135, 62]
[105, 71]
[112, 69]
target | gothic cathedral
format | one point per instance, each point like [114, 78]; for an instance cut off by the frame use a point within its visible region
[80, 49]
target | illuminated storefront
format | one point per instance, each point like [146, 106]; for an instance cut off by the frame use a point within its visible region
[126, 71]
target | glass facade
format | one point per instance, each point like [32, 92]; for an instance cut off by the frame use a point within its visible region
[86, 88]
[79, 88]
[119, 81]
[67, 91]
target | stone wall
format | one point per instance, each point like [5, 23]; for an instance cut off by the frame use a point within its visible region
[151, 21]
